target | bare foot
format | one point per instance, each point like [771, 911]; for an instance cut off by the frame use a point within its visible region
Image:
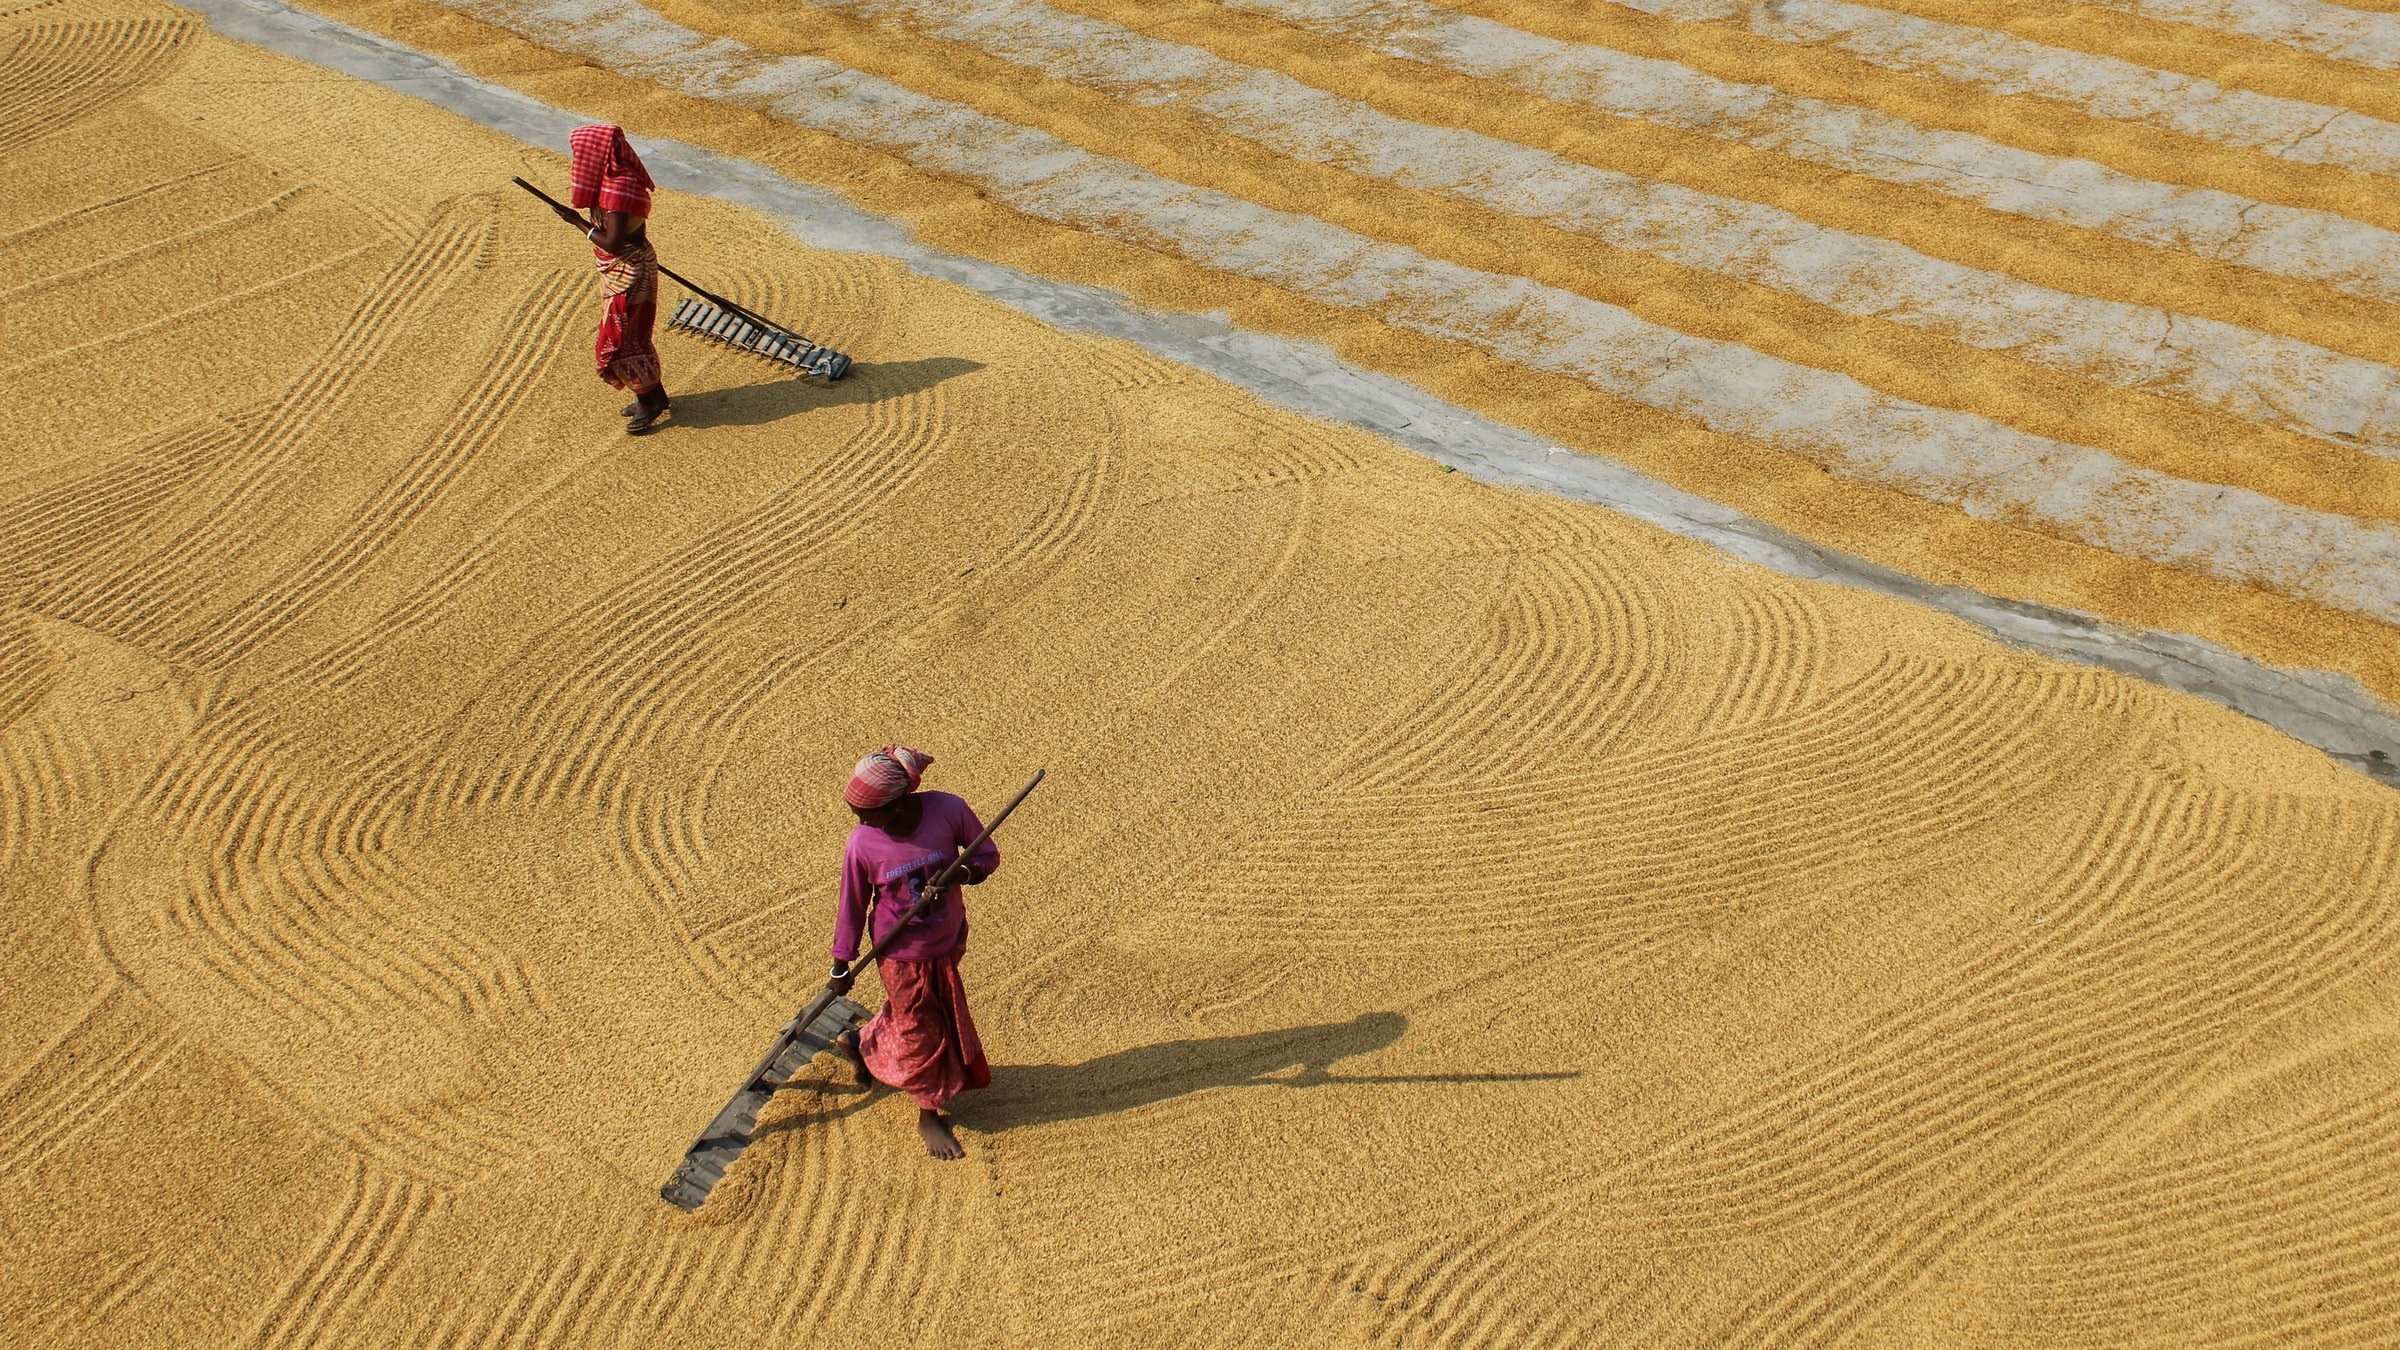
[630, 409]
[934, 1128]
[846, 1045]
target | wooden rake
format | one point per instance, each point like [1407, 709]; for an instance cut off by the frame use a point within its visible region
[810, 1031]
[712, 316]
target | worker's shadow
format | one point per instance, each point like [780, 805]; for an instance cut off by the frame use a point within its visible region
[749, 405]
[1298, 1057]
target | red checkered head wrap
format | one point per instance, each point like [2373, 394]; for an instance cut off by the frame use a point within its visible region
[885, 777]
[605, 170]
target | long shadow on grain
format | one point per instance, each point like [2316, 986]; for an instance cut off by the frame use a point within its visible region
[1043, 1094]
[749, 405]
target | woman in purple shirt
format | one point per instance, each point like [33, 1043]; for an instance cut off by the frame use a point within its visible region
[923, 1042]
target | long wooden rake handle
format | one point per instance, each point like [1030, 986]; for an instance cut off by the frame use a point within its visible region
[933, 889]
[679, 279]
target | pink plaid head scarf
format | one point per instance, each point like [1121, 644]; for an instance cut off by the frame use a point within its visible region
[885, 777]
[606, 171]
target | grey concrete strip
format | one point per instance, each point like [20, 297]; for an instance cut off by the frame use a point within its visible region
[2265, 377]
[2329, 711]
[1984, 467]
[2205, 222]
[2335, 31]
[2099, 86]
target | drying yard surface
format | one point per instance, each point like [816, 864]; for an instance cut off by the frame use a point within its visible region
[1453, 916]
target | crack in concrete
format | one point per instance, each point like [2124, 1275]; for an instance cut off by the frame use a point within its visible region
[2329, 711]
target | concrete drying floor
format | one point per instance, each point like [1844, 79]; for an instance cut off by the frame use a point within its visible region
[1455, 914]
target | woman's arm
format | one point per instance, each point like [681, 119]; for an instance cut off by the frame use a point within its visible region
[615, 231]
[850, 910]
[983, 860]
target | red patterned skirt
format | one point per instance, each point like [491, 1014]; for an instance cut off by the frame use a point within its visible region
[924, 1041]
[623, 348]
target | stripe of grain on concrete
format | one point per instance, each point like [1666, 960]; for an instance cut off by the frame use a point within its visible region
[2273, 380]
[2311, 26]
[1989, 470]
[2105, 87]
[2304, 245]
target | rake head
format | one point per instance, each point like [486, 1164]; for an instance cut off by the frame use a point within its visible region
[702, 319]
[705, 1162]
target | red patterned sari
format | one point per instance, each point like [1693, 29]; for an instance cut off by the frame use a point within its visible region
[626, 357]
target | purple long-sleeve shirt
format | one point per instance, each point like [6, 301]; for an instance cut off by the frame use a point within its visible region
[889, 871]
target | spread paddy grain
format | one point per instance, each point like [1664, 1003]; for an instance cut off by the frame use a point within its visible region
[1454, 916]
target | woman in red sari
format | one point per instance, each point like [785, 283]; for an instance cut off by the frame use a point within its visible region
[924, 1041]
[609, 178]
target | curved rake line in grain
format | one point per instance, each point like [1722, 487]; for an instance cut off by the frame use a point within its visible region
[147, 595]
[660, 831]
[660, 1297]
[104, 1289]
[841, 1251]
[530, 341]
[1464, 1280]
[27, 670]
[1129, 369]
[83, 1075]
[1442, 1267]
[1563, 613]
[550, 1317]
[272, 206]
[449, 1140]
[2285, 1234]
[1592, 793]
[1778, 648]
[81, 217]
[344, 663]
[1305, 462]
[901, 625]
[2282, 1211]
[2334, 944]
[921, 1260]
[1035, 555]
[1659, 874]
[693, 657]
[1916, 1056]
[633, 638]
[867, 1279]
[540, 1287]
[110, 344]
[37, 763]
[60, 74]
[372, 1231]
[53, 761]
[367, 947]
[2246, 1178]
[662, 828]
[117, 1284]
[1448, 1285]
[814, 1200]
[774, 1247]
[652, 635]
[296, 906]
[533, 1298]
[855, 311]
[75, 520]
